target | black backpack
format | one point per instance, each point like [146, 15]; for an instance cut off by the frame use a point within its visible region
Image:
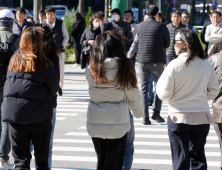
[5, 56]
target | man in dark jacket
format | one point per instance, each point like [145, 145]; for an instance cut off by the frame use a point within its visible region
[21, 24]
[77, 30]
[123, 27]
[61, 37]
[173, 29]
[6, 22]
[153, 38]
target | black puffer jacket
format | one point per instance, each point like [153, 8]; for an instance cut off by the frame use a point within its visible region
[28, 96]
[78, 29]
[124, 29]
[173, 31]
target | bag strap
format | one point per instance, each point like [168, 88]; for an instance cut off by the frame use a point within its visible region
[12, 38]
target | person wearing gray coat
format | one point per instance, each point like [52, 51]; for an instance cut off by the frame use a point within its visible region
[113, 90]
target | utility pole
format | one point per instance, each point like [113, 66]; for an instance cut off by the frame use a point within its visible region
[129, 4]
[106, 9]
[37, 7]
[21, 3]
[81, 6]
[140, 10]
[160, 5]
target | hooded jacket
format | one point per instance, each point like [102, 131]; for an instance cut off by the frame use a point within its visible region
[108, 110]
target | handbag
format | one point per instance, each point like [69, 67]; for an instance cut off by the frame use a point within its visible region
[84, 54]
[86, 50]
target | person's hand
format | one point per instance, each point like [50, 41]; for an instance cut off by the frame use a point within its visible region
[164, 66]
[129, 56]
[91, 42]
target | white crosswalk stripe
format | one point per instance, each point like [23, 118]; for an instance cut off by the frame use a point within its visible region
[152, 147]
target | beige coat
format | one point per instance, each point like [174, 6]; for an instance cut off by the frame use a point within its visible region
[108, 110]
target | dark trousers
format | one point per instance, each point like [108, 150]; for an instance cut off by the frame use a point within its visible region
[169, 59]
[77, 47]
[218, 129]
[20, 136]
[110, 153]
[146, 69]
[187, 145]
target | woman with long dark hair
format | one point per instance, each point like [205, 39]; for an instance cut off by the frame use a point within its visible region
[113, 90]
[28, 101]
[187, 83]
[51, 52]
[77, 30]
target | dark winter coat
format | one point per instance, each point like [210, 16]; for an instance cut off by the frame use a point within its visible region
[124, 29]
[173, 31]
[28, 96]
[203, 35]
[17, 29]
[153, 39]
[77, 30]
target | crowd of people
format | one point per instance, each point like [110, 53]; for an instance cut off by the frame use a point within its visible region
[170, 55]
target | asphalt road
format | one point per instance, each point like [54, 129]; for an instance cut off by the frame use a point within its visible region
[73, 147]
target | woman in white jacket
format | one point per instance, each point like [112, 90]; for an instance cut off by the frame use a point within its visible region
[187, 83]
[113, 90]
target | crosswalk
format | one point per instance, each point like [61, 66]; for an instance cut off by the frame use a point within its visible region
[73, 147]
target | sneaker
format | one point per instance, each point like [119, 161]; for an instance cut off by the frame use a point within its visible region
[151, 103]
[75, 65]
[5, 165]
[60, 92]
[157, 117]
[146, 121]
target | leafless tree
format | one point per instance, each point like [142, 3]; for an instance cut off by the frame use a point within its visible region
[81, 6]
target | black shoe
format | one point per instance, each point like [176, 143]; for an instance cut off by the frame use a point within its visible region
[146, 121]
[151, 103]
[60, 92]
[156, 116]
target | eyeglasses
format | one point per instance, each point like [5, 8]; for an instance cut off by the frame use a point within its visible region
[175, 41]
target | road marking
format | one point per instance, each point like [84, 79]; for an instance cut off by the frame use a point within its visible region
[61, 118]
[65, 114]
[70, 110]
[139, 136]
[135, 143]
[73, 106]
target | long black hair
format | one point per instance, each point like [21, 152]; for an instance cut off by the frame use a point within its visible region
[109, 46]
[194, 47]
[49, 46]
[77, 16]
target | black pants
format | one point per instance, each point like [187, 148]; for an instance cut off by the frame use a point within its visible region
[20, 136]
[110, 153]
[187, 145]
[77, 47]
[218, 129]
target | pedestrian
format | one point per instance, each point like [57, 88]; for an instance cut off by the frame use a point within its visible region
[161, 18]
[6, 23]
[187, 83]
[185, 18]
[61, 37]
[216, 61]
[41, 16]
[213, 33]
[77, 30]
[113, 90]
[51, 52]
[21, 23]
[173, 29]
[128, 17]
[153, 38]
[203, 34]
[30, 86]
[89, 35]
[124, 29]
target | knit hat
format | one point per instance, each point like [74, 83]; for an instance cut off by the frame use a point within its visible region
[6, 18]
[116, 10]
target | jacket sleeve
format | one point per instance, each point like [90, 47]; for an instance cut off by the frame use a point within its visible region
[212, 87]
[129, 36]
[165, 84]
[134, 47]
[135, 102]
[166, 36]
[216, 49]
[65, 35]
[203, 34]
[52, 80]
[212, 38]
[83, 40]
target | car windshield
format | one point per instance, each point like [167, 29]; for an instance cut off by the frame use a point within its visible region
[60, 12]
[59, 8]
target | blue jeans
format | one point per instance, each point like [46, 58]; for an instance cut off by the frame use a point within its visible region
[51, 142]
[129, 149]
[5, 146]
[150, 93]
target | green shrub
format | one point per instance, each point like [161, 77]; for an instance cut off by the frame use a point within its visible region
[88, 15]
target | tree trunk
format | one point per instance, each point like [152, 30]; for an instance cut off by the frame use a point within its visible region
[81, 6]
[203, 14]
[67, 2]
[178, 3]
[106, 9]
[140, 10]
[130, 4]
[10, 3]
